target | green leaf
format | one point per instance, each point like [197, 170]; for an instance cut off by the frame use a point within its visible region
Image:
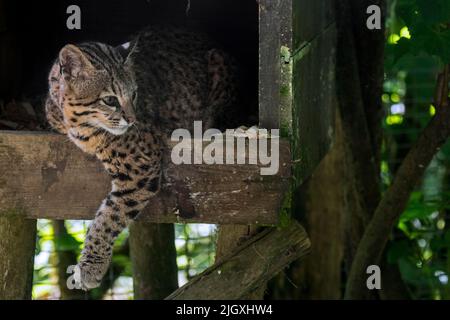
[66, 242]
[434, 11]
[398, 250]
[411, 273]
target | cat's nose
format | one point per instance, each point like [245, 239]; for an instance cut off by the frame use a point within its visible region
[128, 113]
[130, 118]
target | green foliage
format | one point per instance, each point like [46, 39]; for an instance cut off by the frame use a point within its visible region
[427, 22]
[195, 248]
[67, 242]
[417, 48]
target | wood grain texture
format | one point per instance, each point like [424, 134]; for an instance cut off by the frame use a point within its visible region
[17, 248]
[46, 176]
[230, 237]
[310, 18]
[269, 63]
[249, 266]
[297, 77]
[314, 102]
[153, 252]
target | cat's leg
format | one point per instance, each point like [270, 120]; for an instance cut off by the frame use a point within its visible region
[120, 207]
[54, 116]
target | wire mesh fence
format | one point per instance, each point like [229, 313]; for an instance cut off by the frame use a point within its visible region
[59, 244]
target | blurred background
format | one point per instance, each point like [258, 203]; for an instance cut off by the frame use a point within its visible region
[416, 49]
[60, 242]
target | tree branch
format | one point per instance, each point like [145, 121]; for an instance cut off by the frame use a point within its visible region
[360, 58]
[396, 197]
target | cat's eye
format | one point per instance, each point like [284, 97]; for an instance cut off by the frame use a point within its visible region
[111, 101]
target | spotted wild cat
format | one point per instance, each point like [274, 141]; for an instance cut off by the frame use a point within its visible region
[120, 105]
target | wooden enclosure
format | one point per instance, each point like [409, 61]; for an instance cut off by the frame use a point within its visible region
[42, 175]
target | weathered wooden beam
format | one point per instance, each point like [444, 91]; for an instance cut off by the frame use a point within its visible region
[249, 266]
[230, 237]
[46, 176]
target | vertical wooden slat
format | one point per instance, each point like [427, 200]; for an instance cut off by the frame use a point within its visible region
[153, 257]
[313, 84]
[269, 64]
[17, 246]
[286, 66]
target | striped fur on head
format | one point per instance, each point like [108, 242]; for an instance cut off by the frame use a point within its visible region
[94, 86]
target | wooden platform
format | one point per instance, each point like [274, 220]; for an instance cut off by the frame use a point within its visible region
[43, 175]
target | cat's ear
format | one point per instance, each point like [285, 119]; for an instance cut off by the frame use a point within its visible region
[73, 63]
[126, 50]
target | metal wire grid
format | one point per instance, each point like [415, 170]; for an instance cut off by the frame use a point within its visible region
[195, 244]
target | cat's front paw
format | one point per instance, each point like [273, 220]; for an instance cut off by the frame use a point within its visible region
[88, 276]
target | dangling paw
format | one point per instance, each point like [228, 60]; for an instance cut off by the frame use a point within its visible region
[88, 276]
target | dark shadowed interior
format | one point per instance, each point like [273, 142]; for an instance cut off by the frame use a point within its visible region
[31, 34]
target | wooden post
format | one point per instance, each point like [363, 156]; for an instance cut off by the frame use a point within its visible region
[65, 258]
[17, 245]
[269, 63]
[308, 101]
[153, 257]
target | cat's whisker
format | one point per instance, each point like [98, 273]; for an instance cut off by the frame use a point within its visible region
[104, 136]
[137, 129]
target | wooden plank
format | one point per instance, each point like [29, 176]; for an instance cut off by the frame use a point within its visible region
[286, 66]
[305, 80]
[269, 64]
[249, 266]
[45, 176]
[310, 18]
[230, 237]
[313, 102]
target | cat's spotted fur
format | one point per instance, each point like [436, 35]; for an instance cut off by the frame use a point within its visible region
[121, 105]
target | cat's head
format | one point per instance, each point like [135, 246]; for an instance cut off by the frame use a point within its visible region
[94, 86]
